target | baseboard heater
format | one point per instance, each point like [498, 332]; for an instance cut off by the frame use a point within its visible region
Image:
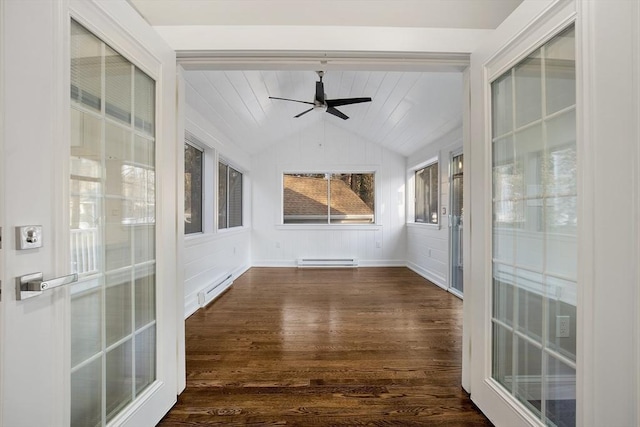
[208, 294]
[327, 262]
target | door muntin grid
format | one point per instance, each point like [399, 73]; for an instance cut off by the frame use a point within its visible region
[112, 228]
[534, 229]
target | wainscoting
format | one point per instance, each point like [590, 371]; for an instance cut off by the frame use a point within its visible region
[316, 347]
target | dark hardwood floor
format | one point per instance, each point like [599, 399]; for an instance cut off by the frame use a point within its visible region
[343, 347]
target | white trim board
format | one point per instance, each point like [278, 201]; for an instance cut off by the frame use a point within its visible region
[436, 279]
[191, 301]
[361, 263]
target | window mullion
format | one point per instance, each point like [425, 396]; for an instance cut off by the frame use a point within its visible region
[328, 176]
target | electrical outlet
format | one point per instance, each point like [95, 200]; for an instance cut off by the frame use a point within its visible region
[378, 245]
[277, 245]
[562, 326]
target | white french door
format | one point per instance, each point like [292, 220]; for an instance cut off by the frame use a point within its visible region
[92, 90]
[535, 250]
[525, 331]
[112, 231]
[456, 223]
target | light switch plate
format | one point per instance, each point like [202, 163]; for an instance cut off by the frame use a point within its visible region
[28, 237]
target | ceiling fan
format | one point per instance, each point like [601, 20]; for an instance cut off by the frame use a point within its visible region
[320, 101]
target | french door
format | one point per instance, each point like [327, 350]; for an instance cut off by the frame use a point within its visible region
[91, 143]
[525, 276]
[535, 221]
[456, 223]
[112, 230]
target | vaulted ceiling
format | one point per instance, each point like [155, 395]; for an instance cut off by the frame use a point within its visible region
[409, 109]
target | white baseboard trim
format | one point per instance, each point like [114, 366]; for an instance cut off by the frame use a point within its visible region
[434, 278]
[275, 263]
[240, 270]
[191, 304]
[382, 263]
[361, 263]
[191, 301]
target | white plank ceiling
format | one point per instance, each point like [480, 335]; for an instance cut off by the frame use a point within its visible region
[409, 109]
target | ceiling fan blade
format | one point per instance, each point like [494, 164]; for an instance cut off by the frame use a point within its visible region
[304, 112]
[320, 92]
[337, 113]
[346, 101]
[292, 100]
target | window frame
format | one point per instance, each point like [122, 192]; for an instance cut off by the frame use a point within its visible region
[412, 182]
[375, 224]
[188, 141]
[230, 165]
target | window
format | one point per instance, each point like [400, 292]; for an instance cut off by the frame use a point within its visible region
[193, 169]
[339, 198]
[229, 197]
[426, 194]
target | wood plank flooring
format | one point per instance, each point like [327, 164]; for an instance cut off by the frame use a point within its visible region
[343, 347]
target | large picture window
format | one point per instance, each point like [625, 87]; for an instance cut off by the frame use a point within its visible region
[426, 194]
[229, 197]
[193, 168]
[338, 198]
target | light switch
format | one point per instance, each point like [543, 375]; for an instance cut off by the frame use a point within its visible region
[28, 237]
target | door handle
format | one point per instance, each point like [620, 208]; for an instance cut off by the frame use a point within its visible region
[32, 285]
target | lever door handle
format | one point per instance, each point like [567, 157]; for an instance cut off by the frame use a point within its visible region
[39, 285]
[32, 285]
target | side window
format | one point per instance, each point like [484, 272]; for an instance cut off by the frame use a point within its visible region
[229, 197]
[426, 194]
[193, 172]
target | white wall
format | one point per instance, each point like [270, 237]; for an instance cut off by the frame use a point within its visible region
[210, 255]
[325, 147]
[428, 245]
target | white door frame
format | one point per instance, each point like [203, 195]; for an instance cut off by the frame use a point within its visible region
[2, 224]
[35, 371]
[536, 22]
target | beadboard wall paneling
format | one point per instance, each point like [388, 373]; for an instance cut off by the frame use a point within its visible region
[428, 246]
[214, 254]
[208, 258]
[325, 147]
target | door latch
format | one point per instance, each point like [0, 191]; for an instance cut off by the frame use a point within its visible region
[32, 285]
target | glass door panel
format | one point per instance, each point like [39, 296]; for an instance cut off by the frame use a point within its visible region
[112, 226]
[535, 231]
[456, 223]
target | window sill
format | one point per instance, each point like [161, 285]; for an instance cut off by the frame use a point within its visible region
[198, 238]
[349, 227]
[423, 225]
[232, 231]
